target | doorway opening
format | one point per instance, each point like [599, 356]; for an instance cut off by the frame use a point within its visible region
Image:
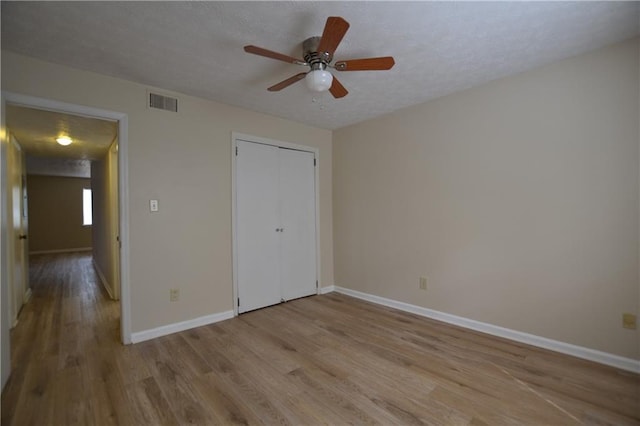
[97, 161]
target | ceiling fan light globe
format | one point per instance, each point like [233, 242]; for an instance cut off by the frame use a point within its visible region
[319, 80]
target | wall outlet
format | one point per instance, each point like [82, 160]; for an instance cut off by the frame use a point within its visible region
[174, 295]
[423, 283]
[629, 321]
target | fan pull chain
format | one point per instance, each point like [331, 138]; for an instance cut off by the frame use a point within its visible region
[319, 101]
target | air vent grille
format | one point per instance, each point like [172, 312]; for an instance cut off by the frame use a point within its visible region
[163, 102]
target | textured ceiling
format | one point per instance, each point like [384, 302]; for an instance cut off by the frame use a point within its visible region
[196, 47]
[36, 131]
[52, 166]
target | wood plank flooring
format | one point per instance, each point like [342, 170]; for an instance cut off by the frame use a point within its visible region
[325, 359]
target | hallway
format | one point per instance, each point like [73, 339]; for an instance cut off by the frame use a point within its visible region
[68, 325]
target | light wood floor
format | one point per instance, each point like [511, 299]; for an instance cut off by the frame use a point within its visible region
[321, 360]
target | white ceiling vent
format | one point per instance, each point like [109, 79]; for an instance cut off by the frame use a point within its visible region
[163, 102]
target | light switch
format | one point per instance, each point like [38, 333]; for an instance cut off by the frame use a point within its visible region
[153, 205]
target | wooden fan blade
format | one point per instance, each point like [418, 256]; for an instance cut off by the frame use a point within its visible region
[286, 83]
[367, 64]
[337, 89]
[273, 55]
[334, 31]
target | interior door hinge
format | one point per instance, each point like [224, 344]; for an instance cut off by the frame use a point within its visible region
[238, 302]
[316, 283]
[236, 151]
[314, 162]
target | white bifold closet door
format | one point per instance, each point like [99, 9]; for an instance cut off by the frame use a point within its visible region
[275, 225]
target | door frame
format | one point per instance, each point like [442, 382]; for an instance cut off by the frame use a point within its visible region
[123, 187]
[235, 137]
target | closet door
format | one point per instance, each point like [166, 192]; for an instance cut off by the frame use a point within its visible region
[257, 214]
[298, 223]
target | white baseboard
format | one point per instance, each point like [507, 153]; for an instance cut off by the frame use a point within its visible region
[622, 363]
[164, 330]
[71, 250]
[328, 289]
[103, 279]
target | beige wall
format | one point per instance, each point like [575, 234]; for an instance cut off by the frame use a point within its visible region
[55, 213]
[184, 160]
[517, 199]
[104, 180]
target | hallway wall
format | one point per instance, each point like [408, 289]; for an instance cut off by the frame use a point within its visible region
[104, 181]
[55, 213]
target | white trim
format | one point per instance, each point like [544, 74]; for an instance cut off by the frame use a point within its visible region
[141, 336]
[103, 279]
[5, 323]
[123, 205]
[69, 250]
[518, 336]
[266, 141]
[328, 289]
[235, 136]
[123, 182]
[234, 241]
[59, 106]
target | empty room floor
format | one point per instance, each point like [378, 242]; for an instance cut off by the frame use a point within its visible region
[325, 359]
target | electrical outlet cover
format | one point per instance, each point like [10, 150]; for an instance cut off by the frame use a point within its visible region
[174, 294]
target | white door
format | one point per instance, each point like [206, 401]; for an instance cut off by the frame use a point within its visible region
[275, 225]
[257, 231]
[297, 219]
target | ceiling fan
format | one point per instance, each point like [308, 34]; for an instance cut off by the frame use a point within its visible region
[317, 54]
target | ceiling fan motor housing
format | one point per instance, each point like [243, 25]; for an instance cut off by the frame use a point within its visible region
[316, 60]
